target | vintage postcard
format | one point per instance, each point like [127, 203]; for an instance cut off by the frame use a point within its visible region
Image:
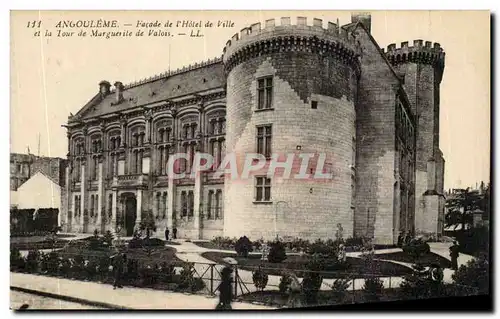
[255, 160]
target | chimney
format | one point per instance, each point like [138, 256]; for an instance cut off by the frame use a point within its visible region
[104, 88]
[365, 18]
[119, 91]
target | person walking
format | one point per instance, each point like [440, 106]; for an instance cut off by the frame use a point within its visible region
[454, 253]
[175, 232]
[167, 232]
[225, 290]
[400, 240]
[118, 265]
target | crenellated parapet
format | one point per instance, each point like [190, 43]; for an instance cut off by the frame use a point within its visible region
[167, 74]
[421, 53]
[256, 40]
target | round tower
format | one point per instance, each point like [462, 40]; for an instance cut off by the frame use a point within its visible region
[291, 92]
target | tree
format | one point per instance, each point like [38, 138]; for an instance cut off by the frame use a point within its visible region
[474, 275]
[462, 203]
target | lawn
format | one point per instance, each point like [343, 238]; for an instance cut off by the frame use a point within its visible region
[355, 266]
[325, 297]
[146, 257]
[426, 259]
[38, 242]
[209, 245]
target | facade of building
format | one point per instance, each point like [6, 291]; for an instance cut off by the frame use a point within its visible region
[24, 166]
[291, 88]
[20, 169]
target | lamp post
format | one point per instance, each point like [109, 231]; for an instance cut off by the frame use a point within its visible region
[276, 217]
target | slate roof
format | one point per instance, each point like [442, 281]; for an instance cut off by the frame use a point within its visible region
[189, 80]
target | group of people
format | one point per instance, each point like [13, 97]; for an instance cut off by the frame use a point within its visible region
[167, 233]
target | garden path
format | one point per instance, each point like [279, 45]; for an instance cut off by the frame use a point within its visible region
[188, 251]
[127, 297]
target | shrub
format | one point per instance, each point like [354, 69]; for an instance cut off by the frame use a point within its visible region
[135, 242]
[260, 279]
[95, 243]
[285, 282]
[356, 243]
[78, 267]
[299, 244]
[32, 261]
[148, 275]
[474, 241]
[132, 271]
[153, 242]
[327, 249]
[103, 266]
[420, 284]
[277, 252]
[223, 242]
[313, 279]
[373, 288]
[243, 246]
[17, 261]
[186, 281]
[339, 289]
[91, 268]
[65, 267]
[475, 274]
[108, 238]
[49, 262]
[167, 272]
[417, 248]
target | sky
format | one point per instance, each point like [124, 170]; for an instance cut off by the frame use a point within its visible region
[52, 77]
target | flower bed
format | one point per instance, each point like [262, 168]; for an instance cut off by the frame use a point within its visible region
[146, 269]
[325, 297]
[425, 259]
[353, 266]
[292, 246]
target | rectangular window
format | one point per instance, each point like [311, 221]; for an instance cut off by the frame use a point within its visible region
[193, 131]
[165, 207]
[184, 204]
[264, 140]
[110, 205]
[219, 214]
[191, 204]
[209, 204]
[262, 189]
[314, 105]
[265, 93]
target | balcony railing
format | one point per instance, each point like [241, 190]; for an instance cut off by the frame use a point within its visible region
[130, 180]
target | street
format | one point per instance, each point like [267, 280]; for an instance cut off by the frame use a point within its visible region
[43, 303]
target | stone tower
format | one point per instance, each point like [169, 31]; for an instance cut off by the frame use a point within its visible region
[422, 66]
[310, 76]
